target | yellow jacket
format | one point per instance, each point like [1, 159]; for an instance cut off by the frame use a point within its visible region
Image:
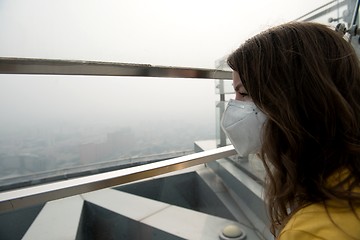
[314, 222]
[336, 221]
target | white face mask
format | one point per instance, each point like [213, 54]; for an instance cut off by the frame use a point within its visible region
[242, 122]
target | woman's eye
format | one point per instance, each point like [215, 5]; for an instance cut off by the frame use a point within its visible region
[243, 94]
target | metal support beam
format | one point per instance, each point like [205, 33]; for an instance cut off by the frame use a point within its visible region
[94, 68]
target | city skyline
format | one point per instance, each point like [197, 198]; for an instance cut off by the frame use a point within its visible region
[50, 149]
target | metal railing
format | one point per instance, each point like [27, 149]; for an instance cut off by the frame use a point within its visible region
[28, 196]
[94, 68]
[322, 10]
[15, 199]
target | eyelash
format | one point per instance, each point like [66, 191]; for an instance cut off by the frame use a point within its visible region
[243, 94]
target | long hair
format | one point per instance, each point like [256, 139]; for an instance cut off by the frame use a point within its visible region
[306, 78]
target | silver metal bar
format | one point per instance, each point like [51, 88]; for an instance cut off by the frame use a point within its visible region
[355, 13]
[29, 196]
[11, 183]
[69, 67]
[307, 17]
[353, 21]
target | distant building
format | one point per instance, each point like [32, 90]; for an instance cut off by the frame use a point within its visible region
[117, 144]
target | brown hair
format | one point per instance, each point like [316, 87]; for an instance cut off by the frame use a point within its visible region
[306, 78]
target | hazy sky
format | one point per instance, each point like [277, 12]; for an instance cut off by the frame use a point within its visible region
[162, 32]
[190, 33]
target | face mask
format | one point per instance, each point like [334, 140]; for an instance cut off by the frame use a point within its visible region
[242, 122]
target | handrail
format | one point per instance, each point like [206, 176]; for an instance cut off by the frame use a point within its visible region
[96, 68]
[25, 197]
[53, 175]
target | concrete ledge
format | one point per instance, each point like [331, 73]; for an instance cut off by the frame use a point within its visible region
[57, 220]
[177, 221]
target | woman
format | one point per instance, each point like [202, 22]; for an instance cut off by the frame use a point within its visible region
[305, 79]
